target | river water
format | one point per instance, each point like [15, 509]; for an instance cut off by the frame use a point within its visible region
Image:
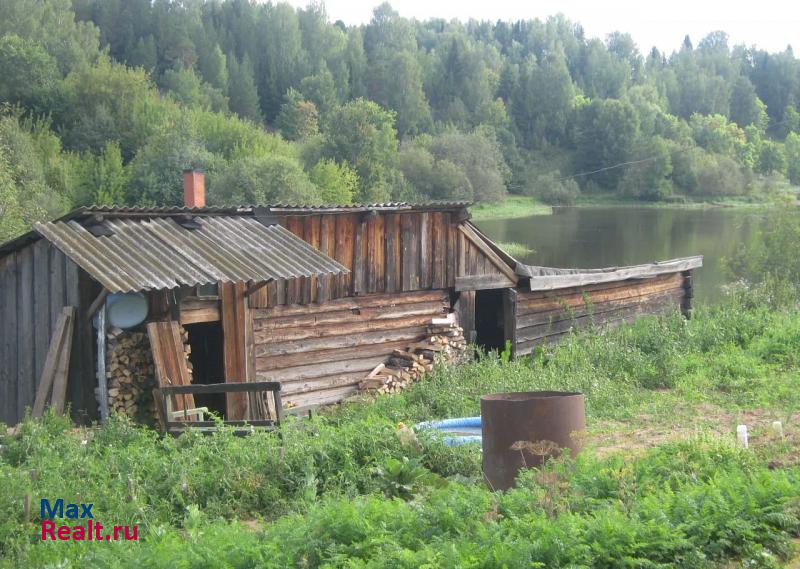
[595, 237]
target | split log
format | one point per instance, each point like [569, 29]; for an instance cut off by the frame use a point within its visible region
[131, 373]
[404, 367]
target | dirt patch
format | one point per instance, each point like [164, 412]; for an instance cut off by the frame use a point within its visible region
[794, 563]
[253, 525]
[646, 430]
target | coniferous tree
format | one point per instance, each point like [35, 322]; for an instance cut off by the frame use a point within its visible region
[242, 94]
[608, 132]
[746, 107]
[213, 67]
[144, 55]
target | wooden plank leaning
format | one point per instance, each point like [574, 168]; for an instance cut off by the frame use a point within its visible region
[56, 366]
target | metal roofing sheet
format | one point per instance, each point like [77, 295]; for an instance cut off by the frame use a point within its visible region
[550, 278]
[282, 207]
[82, 214]
[147, 254]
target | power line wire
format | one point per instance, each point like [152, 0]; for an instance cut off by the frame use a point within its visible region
[621, 164]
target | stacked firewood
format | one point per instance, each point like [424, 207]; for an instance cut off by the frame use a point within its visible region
[445, 342]
[129, 373]
[449, 337]
[187, 349]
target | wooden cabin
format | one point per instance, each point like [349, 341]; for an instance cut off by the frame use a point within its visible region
[313, 297]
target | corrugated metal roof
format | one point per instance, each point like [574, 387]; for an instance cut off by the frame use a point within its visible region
[284, 207]
[157, 253]
[388, 206]
[81, 214]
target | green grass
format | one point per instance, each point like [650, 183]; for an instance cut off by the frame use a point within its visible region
[511, 207]
[516, 250]
[661, 482]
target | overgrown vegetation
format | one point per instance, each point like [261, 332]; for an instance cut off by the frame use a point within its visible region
[511, 207]
[517, 250]
[661, 482]
[343, 487]
[772, 262]
[105, 102]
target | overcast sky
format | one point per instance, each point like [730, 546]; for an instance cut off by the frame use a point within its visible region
[769, 24]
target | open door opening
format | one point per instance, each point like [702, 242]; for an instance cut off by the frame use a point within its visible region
[207, 361]
[492, 318]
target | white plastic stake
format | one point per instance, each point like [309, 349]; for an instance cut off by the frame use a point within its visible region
[741, 435]
[777, 428]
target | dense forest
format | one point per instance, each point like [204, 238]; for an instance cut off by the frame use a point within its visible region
[106, 101]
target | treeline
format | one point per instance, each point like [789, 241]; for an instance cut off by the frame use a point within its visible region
[105, 101]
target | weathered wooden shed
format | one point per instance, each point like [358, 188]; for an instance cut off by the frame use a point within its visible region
[549, 303]
[313, 297]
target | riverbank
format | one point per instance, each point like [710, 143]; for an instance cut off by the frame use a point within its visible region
[693, 203]
[661, 479]
[514, 207]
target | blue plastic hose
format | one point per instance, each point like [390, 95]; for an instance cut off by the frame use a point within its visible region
[458, 441]
[446, 424]
[459, 431]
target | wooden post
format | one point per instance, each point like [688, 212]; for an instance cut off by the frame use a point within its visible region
[235, 350]
[99, 301]
[510, 318]
[102, 387]
[465, 309]
[688, 294]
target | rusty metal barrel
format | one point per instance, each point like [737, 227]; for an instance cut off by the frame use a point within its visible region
[523, 429]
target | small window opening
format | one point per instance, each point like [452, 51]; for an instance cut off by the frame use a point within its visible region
[207, 291]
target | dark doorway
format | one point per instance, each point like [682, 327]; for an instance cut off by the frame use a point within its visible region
[207, 362]
[489, 319]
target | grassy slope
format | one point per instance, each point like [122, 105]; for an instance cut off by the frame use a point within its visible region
[660, 480]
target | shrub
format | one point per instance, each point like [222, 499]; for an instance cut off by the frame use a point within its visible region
[686, 165]
[648, 178]
[270, 179]
[772, 158]
[554, 190]
[337, 183]
[772, 262]
[720, 176]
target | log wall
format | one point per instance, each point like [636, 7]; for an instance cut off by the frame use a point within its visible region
[387, 252]
[543, 317]
[36, 282]
[320, 353]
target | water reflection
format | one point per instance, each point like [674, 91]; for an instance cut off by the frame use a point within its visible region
[603, 237]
